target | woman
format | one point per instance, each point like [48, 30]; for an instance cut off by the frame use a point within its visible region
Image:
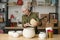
[28, 17]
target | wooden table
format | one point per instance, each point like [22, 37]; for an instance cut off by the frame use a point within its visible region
[7, 37]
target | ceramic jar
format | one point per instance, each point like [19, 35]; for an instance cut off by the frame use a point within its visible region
[28, 32]
[19, 32]
[42, 35]
[10, 33]
[15, 35]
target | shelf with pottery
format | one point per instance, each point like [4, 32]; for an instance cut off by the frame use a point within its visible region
[14, 5]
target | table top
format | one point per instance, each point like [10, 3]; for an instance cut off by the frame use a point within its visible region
[7, 37]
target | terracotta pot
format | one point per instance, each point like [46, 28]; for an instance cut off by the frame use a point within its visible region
[19, 2]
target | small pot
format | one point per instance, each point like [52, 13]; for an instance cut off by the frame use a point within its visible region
[15, 35]
[42, 35]
[28, 32]
[10, 33]
[19, 32]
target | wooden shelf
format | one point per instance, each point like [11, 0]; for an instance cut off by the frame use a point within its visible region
[44, 6]
[13, 28]
[14, 5]
[45, 27]
[22, 28]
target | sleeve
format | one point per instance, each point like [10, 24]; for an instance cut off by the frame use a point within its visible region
[23, 22]
[36, 17]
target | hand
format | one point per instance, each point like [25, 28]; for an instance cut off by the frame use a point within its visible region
[27, 24]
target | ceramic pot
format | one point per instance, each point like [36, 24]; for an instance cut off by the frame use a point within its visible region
[10, 33]
[15, 35]
[28, 32]
[19, 32]
[42, 35]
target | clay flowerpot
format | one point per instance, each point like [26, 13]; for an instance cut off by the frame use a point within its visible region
[28, 32]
